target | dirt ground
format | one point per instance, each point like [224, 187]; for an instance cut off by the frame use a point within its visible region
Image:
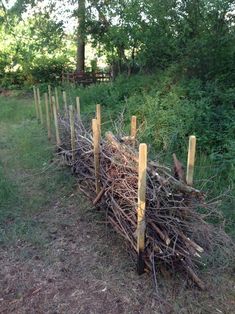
[80, 269]
[83, 268]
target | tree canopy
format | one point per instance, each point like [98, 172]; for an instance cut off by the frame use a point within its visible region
[134, 35]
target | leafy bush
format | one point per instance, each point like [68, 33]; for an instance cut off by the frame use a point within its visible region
[44, 70]
[49, 70]
[13, 80]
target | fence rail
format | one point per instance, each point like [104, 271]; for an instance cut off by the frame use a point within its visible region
[86, 78]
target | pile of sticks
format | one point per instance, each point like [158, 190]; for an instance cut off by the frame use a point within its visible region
[148, 204]
[175, 233]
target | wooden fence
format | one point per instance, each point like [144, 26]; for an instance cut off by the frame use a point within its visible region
[86, 78]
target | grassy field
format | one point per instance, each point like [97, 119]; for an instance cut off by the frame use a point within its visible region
[57, 254]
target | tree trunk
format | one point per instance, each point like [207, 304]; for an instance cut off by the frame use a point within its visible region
[81, 36]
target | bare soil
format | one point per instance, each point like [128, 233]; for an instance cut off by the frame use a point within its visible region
[79, 269]
[82, 267]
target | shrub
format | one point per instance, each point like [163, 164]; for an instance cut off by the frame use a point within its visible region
[49, 70]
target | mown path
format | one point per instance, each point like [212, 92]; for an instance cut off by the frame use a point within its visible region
[57, 255]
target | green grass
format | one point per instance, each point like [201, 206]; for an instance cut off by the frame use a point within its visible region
[29, 182]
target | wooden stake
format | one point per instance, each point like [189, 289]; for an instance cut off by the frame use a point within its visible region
[35, 101]
[58, 141]
[57, 100]
[133, 129]
[191, 159]
[78, 108]
[65, 102]
[72, 131]
[95, 130]
[98, 118]
[47, 117]
[50, 102]
[39, 106]
[141, 207]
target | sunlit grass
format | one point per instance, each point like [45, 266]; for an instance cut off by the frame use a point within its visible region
[29, 182]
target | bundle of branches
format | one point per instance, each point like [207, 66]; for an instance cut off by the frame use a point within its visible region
[176, 234]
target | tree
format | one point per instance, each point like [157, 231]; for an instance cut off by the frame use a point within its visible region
[150, 34]
[32, 47]
[81, 36]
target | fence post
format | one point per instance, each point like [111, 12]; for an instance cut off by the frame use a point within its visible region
[141, 207]
[39, 106]
[50, 102]
[98, 118]
[47, 117]
[96, 142]
[133, 129]
[35, 101]
[57, 100]
[65, 102]
[72, 131]
[78, 108]
[191, 160]
[58, 141]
